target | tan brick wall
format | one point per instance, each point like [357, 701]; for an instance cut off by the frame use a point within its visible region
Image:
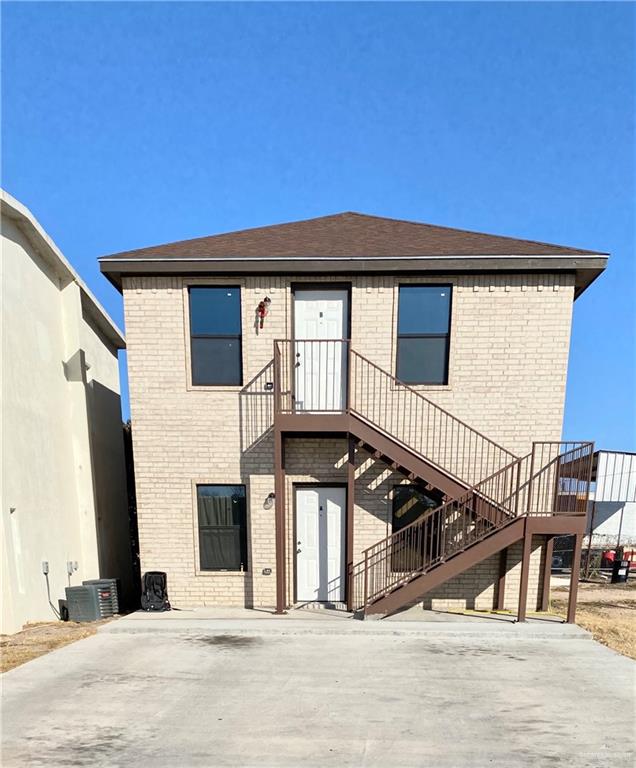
[324, 460]
[509, 345]
[476, 588]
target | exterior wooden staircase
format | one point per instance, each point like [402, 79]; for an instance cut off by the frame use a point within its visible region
[391, 420]
[492, 498]
[545, 491]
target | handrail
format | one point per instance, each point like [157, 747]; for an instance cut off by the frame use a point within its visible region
[311, 375]
[541, 487]
[327, 375]
[467, 495]
[403, 385]
[421, 425]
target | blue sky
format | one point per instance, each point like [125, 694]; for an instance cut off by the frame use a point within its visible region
[129, 124]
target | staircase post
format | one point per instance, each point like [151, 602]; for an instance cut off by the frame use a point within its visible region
[574, 578]
[351, 467]
[529, 500]
[279, 498]
[348, 392]
[501, 585]
[366, 582]
[525, 569]
[548, 548]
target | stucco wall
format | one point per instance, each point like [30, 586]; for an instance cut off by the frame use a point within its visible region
[508, 361]
[49, 502]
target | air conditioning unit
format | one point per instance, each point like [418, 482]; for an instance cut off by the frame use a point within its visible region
[89, 602]
[110, 586]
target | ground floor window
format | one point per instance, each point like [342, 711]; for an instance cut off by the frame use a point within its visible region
[409, 504]
[222, 519]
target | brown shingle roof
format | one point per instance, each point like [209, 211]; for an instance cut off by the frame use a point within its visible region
[348, 234]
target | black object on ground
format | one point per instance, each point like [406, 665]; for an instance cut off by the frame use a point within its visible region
[154, 596]
[620, 571]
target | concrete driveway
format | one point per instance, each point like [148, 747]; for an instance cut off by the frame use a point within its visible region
[273, 693]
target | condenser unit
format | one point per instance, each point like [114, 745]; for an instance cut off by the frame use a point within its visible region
[88, 603]
[109, 591]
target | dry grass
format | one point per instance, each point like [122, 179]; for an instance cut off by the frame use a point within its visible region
[37, 639]
[608, 611]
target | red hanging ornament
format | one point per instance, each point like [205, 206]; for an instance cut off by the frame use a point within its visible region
[263, 310]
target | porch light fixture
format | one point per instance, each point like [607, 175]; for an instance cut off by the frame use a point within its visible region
[269, 501]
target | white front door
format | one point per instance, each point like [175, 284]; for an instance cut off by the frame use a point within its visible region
[320, 322]
[320, 544]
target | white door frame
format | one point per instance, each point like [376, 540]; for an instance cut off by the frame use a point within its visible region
[331, 587]
[321, 369]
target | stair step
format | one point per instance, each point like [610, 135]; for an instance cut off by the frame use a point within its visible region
[321, 606]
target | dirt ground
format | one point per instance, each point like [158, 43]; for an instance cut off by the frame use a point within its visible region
[608, 611]
[37, 639]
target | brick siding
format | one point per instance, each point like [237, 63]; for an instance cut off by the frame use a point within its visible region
[508, 361]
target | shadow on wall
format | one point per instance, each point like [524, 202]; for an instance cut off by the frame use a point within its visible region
[133, 527]
[602, 512]
[113, 522]
[469, 590]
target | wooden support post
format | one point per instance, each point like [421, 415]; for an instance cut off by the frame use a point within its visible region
[351, 476]
[525, 570]
[548, 547]
[574, 578]
[279, 490]
[501, 585]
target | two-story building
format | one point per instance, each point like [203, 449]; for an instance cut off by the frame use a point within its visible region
[63, 482]
[348, 410]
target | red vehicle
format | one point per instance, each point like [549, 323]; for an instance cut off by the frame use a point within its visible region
[608, 557]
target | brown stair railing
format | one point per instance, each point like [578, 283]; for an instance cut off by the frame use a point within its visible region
[421, 425]
[310, 375]
[553, 479]
[327, 375]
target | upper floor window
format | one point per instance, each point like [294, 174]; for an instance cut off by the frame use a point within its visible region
[215, 335]
[423, 334]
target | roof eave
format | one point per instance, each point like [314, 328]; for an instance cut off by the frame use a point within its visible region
[586, 267]
[13, 209]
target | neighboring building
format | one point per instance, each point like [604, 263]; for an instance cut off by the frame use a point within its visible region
[63, 474]
[303, 391]
[612, 507]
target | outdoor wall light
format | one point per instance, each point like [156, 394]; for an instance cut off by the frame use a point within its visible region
[269, 501]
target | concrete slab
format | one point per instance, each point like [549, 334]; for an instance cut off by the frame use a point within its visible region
[331, 693]
[235, 621]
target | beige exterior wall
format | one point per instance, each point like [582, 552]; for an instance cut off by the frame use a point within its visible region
[63, 475]
[508, 361]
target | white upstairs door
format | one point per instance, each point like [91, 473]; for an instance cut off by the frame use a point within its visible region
[320, 322]
[320, 544]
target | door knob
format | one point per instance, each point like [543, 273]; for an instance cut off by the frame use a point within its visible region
[298, 551]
